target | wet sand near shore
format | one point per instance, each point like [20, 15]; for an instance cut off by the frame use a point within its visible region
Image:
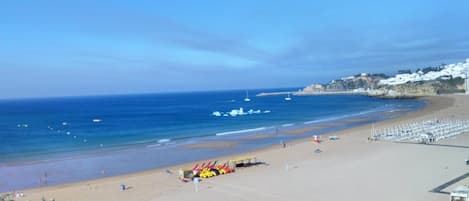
[217, 144]
[257, 136]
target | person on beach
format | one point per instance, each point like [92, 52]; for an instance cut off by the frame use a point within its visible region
[284, 145]
[317, 151]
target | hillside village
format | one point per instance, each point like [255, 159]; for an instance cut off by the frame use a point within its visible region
[450, 78]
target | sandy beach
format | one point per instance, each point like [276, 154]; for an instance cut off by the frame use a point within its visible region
[351, 168]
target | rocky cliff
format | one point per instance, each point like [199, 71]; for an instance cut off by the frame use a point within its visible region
[419, 89]
[361, 81]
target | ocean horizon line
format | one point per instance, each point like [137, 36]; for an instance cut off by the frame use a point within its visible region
[140, 93]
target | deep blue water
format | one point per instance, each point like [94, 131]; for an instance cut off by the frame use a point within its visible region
[37, 129]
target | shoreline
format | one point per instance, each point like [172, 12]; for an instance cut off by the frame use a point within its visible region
[297, 133]
[436, 105]
[201, 149]
[259, 126]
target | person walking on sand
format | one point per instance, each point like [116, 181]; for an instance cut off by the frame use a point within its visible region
[283, 143]
[45, 178]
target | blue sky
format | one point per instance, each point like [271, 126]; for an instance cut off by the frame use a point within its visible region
[69, 48]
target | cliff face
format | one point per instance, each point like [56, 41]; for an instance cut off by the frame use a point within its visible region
[362, 81]
[314, 88]
[418, 89]
[408, 90]
[356, 82]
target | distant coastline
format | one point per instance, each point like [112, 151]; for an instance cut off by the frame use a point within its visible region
[318, 93]
[429, 81]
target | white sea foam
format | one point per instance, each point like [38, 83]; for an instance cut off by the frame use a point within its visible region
[153, 145]
[323, 120]
[164, 140]
[287, 125]
[159, 143]
[238, 112]
[22, 125]
[240, 131]
[251, 111]
[216, 113]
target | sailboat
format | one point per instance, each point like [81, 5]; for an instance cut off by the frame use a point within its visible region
[247, 97]
[288, 97]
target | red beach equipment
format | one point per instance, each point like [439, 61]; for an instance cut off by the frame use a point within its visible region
[316, 139]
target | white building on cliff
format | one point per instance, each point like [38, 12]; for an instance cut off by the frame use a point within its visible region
[448, 71]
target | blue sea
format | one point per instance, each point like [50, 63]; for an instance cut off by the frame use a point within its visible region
[79, 138]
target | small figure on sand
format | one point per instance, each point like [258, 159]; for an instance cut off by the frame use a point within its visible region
[43, 179]
[316, 139]
[284, 145]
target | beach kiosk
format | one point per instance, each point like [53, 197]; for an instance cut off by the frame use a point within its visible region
[460, 193]
[186, 175]
[242, 162]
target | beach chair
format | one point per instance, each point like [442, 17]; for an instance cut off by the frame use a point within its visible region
[208, 164]
[213, 165]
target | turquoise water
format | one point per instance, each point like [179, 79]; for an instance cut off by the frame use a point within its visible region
[121, 134]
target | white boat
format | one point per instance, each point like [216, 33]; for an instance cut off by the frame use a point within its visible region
[288, 97]
[97, 120]
[247, 97]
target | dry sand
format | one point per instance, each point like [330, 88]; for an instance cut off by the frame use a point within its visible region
[348, 169]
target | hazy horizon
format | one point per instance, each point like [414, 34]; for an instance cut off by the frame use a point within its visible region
[242, 93]
[55, 49]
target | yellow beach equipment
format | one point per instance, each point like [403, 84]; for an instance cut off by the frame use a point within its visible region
[207, 173]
